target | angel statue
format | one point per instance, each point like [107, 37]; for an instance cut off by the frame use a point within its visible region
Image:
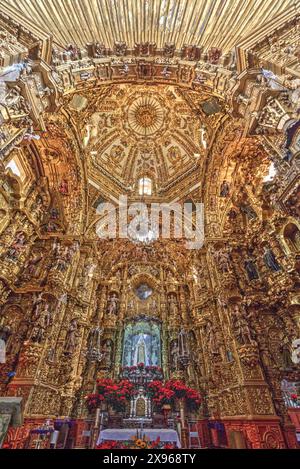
[113, 304]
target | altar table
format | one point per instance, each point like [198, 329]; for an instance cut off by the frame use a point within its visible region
[125, 434]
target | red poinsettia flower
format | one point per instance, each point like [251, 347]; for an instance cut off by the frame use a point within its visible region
[5, 446]
[167, 393]
[169, 446]
[156, 443]
[110, 445]
[112, 392]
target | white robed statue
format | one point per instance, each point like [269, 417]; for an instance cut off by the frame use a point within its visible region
[140, 353]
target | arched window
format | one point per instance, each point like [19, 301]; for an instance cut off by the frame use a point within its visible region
[145, 186]
[16, 168]
[271, 173]
[291, 236]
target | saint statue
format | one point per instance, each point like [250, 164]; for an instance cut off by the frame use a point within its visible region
[174, 351]
[64, 187]
[130, 306]
[173, 306]
[17, 247]
[42, 322]
[37, 304]
[214, 339]
[87, 273]
[71, 338]
[61, 259]
[107, 351]
[251, 269]
[223, 260]
[99, 50]
[112, 307]
[94, 353]
[38, 208]
[32, 265]
[241, 326]
[224, 191]
[271, 261]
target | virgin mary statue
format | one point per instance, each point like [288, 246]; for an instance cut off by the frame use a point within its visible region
[140, 354]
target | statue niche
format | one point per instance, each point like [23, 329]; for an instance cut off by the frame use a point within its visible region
[174, 351]
[107, 353]
[142, 343]
[71, 338]
[113, 304]
[173, 306]
[240, 325]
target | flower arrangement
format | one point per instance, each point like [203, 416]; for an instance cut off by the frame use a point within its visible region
[172, 390]
[112, 445]
[154, 388]
[93, 401]
[117, 393]
[111, 392]
[136, 443]
[294, 397]
[180, 389]
[145, 443]
[160, 394]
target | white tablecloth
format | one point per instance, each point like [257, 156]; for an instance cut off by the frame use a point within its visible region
[124, 434]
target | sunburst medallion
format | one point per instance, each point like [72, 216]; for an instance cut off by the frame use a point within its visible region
[145, 116]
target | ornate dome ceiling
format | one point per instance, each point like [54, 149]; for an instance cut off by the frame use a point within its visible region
[141, 130]
[215, 23]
